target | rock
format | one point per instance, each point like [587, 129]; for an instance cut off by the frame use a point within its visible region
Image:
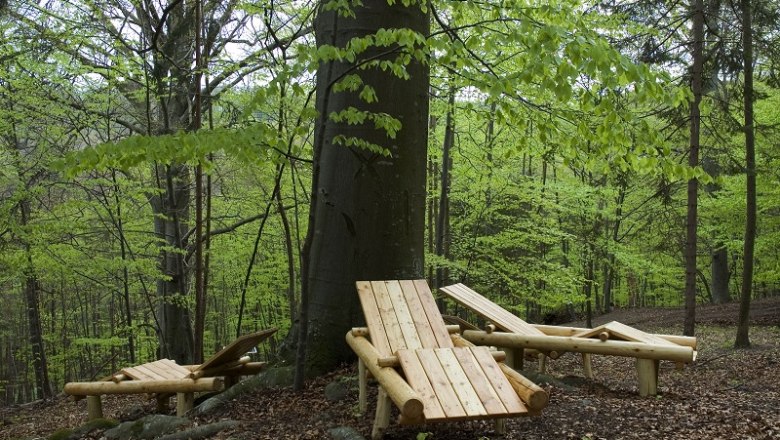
[199, 432]
[345, 433]
[83, 430]
[148, 427]
[271, 378]
[336, 390]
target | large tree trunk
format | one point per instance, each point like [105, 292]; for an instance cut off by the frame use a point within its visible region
[368, 211]
[174, 85]
[171, 210]
[697, 32]
[743, 339]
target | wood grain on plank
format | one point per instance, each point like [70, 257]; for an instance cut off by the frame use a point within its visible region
[389, 319]
[376, 327]
[435, 320]
[469, 398]
[449, 400]
[483, 387]
[415, 375]
[403, 315]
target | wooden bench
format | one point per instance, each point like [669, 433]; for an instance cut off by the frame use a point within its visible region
[613, 339]
[165, 377]
[430, 375]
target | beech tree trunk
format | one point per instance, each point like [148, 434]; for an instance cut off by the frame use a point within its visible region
[174, 85]
[743, 339]
[368, 211]
[697, 33]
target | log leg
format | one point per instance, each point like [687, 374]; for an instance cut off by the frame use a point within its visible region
[163, 402]
[184, 402]
[587, 366]
[94, 408]
[514, 357]
[362, 383]
[382, 418]
[542, 363]
[500, 425]
[647, 373]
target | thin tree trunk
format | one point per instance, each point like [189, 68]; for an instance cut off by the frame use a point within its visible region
[125, 273]
[31, 289]
[697, 32]
[443, 220]
[720, 275]
[743, 337]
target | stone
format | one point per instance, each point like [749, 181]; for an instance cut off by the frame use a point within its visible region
[149, 427]
[336, 391]
[345, 433]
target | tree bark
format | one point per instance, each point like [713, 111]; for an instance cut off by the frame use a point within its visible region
[368, 211]
[443, 219]
[31, 289]
[720, 275]
[743, 337]
[697, 32]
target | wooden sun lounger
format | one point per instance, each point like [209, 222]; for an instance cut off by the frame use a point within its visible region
[613, 339]
[429, 374]
[165, 377]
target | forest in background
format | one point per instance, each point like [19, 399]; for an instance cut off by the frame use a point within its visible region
[156, 165]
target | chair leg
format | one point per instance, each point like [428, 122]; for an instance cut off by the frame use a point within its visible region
[362, 383]
[94, 408]
[184, 403]
[587, 365]
[382, 418]
[500, 426]
[647, 373]
[542, 363]
[514, 357]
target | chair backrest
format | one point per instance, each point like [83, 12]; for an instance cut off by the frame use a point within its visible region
[233, 351]
[497, 315]
[402, 314]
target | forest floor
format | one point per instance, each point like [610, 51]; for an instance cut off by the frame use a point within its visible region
[726, 394]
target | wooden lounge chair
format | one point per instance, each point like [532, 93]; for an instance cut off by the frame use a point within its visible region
[429, 374]
[614, 338]
[165, 377]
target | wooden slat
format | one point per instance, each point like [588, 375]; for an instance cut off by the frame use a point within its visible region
[469, 398]
[500, 384]
[489, 310]
[625, 332]
[374, 322]
[161, 369]
[476, 376]
[403, 314]
[180, 370]
[415, 375]
[435, 320]
[236, 349]
[389, 319]
[421, 324]
[140, 372]
[441, 384]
